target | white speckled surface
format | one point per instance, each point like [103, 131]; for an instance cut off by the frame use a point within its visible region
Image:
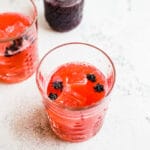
[122, 29]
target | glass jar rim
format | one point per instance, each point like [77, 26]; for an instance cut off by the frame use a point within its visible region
[84, 107]
[65, 4]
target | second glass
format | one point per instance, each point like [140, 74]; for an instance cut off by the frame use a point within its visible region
[75, 81]
[18, 40]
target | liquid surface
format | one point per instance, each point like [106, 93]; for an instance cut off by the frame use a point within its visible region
[76, 85]
[12, 24]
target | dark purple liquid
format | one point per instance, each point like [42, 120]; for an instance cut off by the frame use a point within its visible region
[63, 15]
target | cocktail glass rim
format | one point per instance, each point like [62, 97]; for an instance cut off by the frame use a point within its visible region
[76, 43]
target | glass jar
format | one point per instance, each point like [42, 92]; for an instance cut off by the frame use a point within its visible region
[63, 15]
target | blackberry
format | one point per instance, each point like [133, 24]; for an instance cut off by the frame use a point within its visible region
[16, 44]
[91, 77]
[99, 88]
[52, 96]
[58, 85]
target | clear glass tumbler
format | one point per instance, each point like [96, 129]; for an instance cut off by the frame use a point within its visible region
[18, 40]
[75, 124]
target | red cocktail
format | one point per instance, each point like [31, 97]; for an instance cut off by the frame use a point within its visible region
[18, 41]
[75, 80]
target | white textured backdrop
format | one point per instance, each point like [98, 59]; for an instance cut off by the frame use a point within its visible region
[122, 29]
